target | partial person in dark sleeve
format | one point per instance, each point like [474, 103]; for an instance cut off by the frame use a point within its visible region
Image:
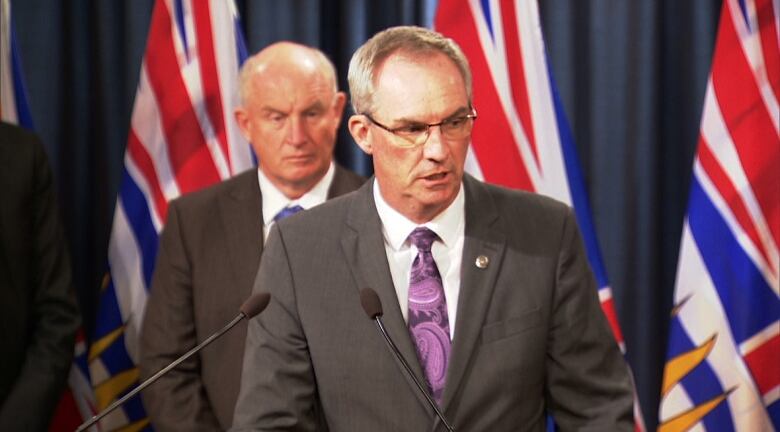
[38, 312]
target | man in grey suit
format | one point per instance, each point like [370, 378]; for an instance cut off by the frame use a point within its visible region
[486, 291]
[213, 239]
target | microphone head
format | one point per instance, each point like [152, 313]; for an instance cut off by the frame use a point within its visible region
[371, 303]
[255, 304]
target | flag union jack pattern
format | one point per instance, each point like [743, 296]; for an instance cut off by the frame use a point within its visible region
[522, 139]
[182, 138]
[723, 361]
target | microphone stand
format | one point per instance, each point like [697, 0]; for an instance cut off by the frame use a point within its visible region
[391, 345]
[162, 372]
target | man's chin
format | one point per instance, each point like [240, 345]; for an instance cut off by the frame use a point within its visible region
[438, 197]
[308, 175]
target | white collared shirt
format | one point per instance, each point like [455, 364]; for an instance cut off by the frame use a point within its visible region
[274, 200]
[449, 225]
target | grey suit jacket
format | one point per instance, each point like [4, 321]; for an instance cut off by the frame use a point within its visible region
[530, 337]
[209, 253]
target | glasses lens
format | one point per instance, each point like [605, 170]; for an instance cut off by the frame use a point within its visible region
[412, 135]
[457, 128]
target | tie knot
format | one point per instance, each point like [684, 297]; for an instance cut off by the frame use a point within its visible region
[422, 238]
[287, 211]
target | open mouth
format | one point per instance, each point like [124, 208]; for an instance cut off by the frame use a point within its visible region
[436, 177]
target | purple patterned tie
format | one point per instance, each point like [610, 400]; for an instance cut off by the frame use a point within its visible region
[428, 321]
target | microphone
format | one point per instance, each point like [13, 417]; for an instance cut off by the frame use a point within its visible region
[373, 308]
[248, 310]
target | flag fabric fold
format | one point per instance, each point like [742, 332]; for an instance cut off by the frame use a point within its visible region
[13, 93]
[723, 357]
[182, 138]
[522, 139]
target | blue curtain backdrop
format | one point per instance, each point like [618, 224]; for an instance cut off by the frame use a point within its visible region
[631, 74]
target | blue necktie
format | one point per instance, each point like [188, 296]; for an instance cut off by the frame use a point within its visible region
[287, 211]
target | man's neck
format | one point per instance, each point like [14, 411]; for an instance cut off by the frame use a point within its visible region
[294, 190]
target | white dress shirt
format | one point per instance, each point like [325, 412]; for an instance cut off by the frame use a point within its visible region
[449, 225]
[274, 200]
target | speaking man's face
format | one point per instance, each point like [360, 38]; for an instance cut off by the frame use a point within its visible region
[419, 173]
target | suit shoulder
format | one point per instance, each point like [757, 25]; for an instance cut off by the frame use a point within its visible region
[320, 221]
[206, 198]
[18, 144]
[349, 178]
[506, 198]
[13, 134]
[336, 206]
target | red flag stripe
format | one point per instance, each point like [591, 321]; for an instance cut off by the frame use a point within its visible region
[747, 120]
[492, 139]
[143, 162]
[608, 306]
[762, 362]
[514, 58]
[210, 75]
[187, 149]
[732, 197]
[770, 47]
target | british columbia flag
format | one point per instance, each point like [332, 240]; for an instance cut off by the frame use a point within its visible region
[723, 361]
[182, 138]
[522, 139]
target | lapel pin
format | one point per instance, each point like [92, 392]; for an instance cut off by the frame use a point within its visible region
[482, 261]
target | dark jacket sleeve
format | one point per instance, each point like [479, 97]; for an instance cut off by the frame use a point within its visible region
[38, 259]
[588, 383]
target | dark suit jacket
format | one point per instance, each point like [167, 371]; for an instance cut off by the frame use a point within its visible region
[208, 258]
[38, 313]
[530, 336]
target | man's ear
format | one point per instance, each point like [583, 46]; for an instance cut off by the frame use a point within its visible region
[242, 119]
[358, 128]
[338, 107]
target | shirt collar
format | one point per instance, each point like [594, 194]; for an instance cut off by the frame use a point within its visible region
[397, 227]
[274, 200]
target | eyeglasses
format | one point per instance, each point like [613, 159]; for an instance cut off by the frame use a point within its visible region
[416, 134]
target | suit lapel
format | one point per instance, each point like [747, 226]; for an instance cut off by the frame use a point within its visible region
[241, 211]
[484, 237]
[364, 249]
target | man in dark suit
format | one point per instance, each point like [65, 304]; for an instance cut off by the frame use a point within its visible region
[213, 239]
[486, 291]
[38, 312]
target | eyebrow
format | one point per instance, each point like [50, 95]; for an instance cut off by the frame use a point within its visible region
[316, 105]
[270, 110]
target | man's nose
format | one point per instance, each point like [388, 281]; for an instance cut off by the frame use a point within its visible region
[296, 133]
[435, 148]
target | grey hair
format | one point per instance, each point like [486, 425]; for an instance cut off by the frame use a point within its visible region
[250, 65]
[405, 39]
